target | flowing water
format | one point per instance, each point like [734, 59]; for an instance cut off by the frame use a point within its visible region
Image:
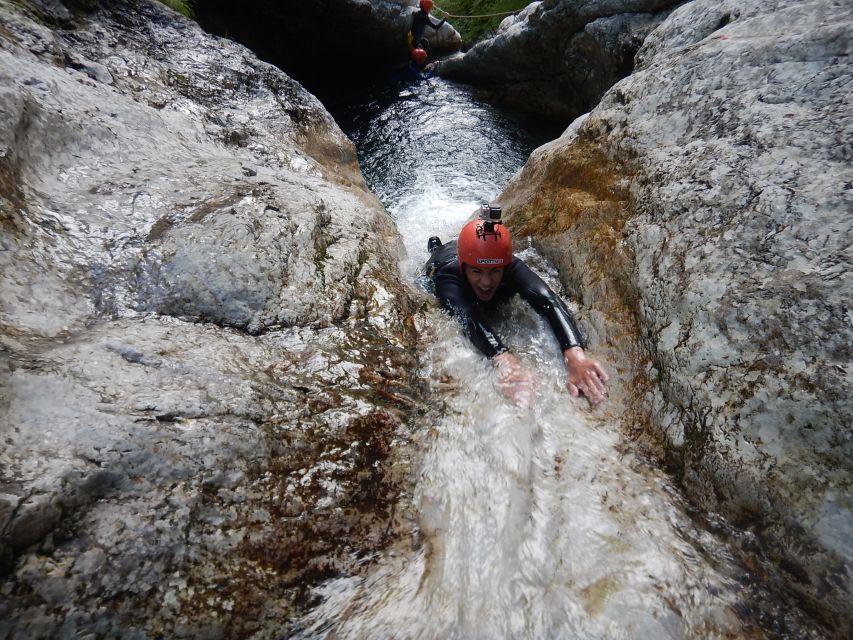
[433, 151]
[533, 522]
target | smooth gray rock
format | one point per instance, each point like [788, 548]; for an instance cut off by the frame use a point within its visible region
[716, 206]
[556, 58]
[193, 276]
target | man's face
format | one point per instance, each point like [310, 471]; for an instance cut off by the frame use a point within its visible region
[484, 281]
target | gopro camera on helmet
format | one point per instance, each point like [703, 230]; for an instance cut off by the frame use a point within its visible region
[491, 214]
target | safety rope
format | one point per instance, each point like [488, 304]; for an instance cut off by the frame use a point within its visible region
[484, 15]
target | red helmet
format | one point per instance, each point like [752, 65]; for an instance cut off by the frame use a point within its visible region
[426, 5]
[419, 56]
[484, 244]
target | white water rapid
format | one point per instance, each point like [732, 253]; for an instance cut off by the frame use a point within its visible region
[533, 522]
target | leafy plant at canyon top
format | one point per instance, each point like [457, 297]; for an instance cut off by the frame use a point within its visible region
[184, 7]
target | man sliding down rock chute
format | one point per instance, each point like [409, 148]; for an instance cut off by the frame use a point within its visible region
[474, 275]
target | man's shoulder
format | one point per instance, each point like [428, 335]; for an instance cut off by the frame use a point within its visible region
[442, 256]
[449, 269]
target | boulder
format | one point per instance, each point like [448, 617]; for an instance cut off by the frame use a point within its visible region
[193, 276]
[556, 58]
[704, 209]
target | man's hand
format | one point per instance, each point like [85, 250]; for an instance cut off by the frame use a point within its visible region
[515, 381]
[585, 375]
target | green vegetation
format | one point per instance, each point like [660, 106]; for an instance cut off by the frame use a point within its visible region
[184, 7]
[473, 29]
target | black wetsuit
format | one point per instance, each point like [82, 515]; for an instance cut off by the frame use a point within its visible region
[455, 294]
[420, 22]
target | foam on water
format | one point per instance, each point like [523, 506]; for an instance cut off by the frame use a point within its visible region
[535, 523]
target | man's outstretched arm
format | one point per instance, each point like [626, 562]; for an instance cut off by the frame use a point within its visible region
[586, 376]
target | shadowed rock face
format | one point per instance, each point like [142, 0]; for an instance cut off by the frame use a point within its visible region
[558, 57]
[326, 44]
[204, 345]
[704, 207]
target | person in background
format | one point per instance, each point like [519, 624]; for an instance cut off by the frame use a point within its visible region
[420, 21]
[418, 69]
[474, 275]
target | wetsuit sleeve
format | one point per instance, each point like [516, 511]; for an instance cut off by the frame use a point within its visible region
[451, 293]
[547, 304]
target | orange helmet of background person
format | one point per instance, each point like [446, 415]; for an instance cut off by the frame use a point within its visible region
[426, 5]
[483, 248]
[419, 55]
